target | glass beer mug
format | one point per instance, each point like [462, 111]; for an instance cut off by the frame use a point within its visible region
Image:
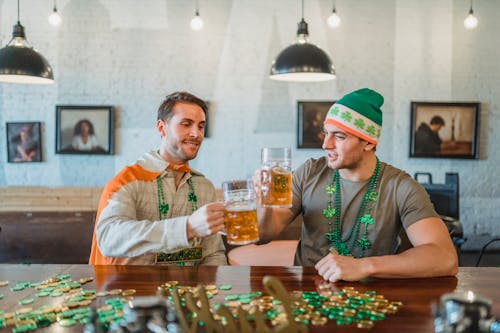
[276, 177]
[240, 212]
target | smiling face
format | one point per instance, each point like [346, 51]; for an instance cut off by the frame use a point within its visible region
[182, 134]
[344, 150]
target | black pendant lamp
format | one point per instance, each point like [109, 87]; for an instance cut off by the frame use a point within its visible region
[302, 61]
[20, 63]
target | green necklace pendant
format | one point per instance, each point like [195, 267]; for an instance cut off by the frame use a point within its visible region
[163, 206]
[358, 235]
[163, 209]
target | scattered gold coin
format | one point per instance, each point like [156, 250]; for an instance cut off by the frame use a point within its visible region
[115, 292]
[128, 292]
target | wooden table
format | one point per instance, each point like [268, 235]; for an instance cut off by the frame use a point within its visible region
[416, 294]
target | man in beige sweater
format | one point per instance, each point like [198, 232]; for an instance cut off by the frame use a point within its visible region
[158, 210]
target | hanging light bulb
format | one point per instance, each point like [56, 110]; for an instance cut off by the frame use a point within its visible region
[196, 22]
[333, 20]
[54, 18]
[471, 21]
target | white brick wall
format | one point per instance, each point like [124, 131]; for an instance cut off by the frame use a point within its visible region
[131, 53]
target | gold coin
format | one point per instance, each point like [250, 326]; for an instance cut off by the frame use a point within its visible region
[264, 307]
[172, 283]
[3, 283]
[24, 310]
[320, 321]
[349, 312]
[397, 303]
[102, 294]
[63, 290]
[72, 305]
[105, 308]
[233, 304]
[10, 322]
[210, 287]
[324, 285]
[25, 322]
[85, 302]
[128, 292]
[86, 280]
[8, 315]
[346, 289]
[115, 292]
[365, 324]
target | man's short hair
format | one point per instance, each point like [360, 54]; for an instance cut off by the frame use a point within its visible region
[165, 109]
[437, 120]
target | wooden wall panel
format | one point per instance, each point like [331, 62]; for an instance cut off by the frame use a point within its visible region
[49, 199]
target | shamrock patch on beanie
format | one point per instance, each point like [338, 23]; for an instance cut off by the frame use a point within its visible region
[358, 113]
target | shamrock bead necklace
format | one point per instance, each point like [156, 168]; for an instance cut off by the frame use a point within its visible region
[356, 237]
[163, 206]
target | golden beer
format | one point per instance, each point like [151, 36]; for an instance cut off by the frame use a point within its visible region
[278, 187]
[241, 225]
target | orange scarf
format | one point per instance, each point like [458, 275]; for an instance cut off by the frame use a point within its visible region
[179, 167]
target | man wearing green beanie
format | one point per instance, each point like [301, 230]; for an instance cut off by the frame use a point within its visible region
[354, 206]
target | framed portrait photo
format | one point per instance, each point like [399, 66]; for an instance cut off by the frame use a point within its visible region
[24, 142]
[84, 129]
[444, 130]
[310, 117]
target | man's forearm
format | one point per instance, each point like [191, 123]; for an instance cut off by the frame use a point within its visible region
[427, 260]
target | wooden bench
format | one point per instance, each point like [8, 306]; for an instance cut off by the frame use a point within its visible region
[42, 225]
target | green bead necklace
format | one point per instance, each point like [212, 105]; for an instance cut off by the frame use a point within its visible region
[356, 237]
[163, 209]
[163, 206]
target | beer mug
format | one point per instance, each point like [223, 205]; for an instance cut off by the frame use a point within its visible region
[240, 212]
[276, 177]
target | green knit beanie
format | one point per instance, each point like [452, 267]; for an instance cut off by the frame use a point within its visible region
[358, 113]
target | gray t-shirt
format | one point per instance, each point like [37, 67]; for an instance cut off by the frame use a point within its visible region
[401, 202]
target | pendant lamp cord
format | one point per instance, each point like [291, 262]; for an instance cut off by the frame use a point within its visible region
[197, 7]
[302, 9]
[18, 21]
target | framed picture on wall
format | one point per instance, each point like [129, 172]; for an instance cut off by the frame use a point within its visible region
[24, 142]
[310, 117]
[444, 130]
[84, 129]
[207, 119]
